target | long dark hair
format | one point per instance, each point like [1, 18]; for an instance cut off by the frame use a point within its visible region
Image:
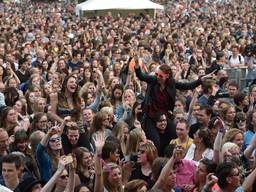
[3, 120]
[76, 97]
[97, 121]
[79, 152]
[167, 70]
[205, 134]
[249, 122]
[112, 97]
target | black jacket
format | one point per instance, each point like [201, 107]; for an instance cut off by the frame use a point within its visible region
[153, 87]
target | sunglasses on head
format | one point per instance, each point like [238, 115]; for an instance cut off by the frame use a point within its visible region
[108, 167]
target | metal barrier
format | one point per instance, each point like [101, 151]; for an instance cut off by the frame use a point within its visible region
[238, 75]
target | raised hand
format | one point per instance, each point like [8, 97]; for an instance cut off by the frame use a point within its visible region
[127, 105]
[136, 60]
[54, 129]
[211, 180]
[251, 99]
[99, 142]
[67, 119]
[61, 164]
[178, 153]
[219, 124]
[74, 163]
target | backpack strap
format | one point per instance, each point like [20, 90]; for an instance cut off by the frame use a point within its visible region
[239, 57]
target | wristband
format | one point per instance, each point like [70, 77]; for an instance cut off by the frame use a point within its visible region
[222, 130]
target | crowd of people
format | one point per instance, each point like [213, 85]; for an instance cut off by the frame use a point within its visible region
[127, 103]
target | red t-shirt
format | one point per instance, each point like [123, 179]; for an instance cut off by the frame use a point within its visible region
[159, 104]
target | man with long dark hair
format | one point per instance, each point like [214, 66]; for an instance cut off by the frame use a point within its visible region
[160, 95]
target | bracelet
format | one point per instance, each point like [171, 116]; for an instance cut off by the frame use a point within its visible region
[222, 130]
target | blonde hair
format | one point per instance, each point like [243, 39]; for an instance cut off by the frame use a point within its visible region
[230, 135]
[226, 147]
[132, 93]
[107, 169]
[118, 132]
[150, 150]
[36, 102]
[106, 109]
[134, 139]
[85, 88]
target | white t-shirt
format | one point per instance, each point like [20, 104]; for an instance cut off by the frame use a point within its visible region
[235, 60]
[207, 154]
[4, 189]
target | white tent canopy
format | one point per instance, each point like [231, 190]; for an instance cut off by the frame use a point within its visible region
[93, 5]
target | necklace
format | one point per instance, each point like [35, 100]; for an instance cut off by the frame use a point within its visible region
[186, 143]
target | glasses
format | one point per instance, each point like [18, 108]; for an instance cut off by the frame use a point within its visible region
[162, 120]
[64, 176]
[45, 121]
[179, 118]
[160, 75]
[53, 140]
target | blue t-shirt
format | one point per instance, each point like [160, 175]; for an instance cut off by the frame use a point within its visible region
[239, 189]
[247, 139]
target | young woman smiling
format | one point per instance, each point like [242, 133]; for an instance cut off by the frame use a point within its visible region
[48, 152]
[67, 102]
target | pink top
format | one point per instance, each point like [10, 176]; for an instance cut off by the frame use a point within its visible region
[185, 173]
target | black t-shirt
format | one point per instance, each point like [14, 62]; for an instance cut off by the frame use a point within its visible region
[23, 77]
[83, 141]
[213, 67]
[85, 180]
[137, 174]
[164, 142]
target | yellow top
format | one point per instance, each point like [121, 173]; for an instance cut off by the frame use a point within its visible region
[185, 145]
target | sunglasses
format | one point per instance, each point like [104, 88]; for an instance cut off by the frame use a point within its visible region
[159, 75]
[53, 140]
[240, 120]
[64, 176]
